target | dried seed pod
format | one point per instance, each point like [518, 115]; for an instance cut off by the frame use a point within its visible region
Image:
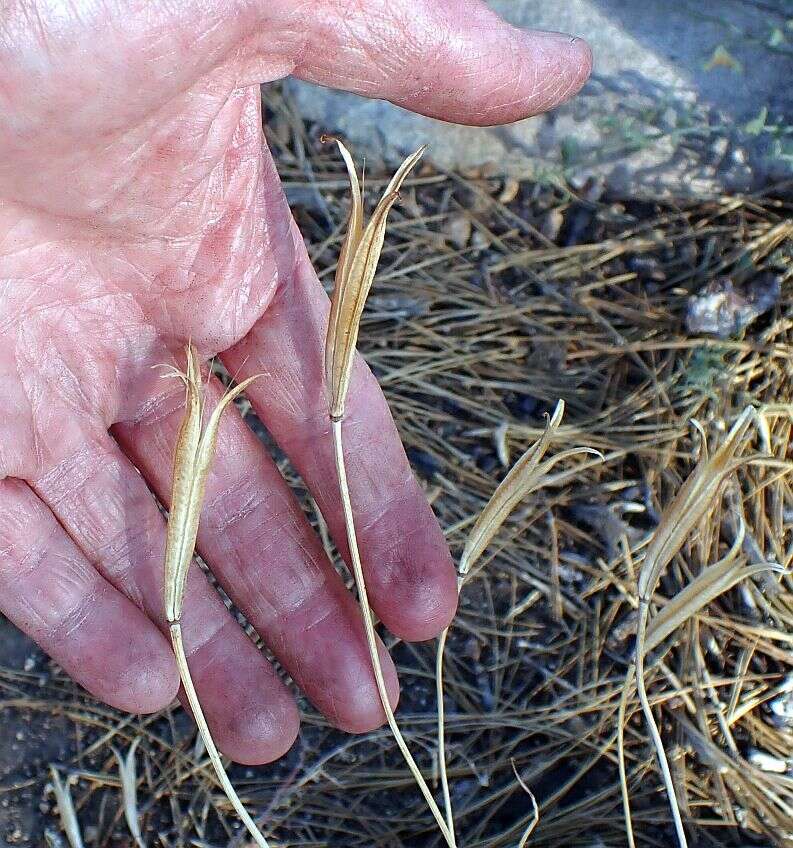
[192, 458]
[692, 501]
[355, 272]
[689, 505]
[521, 479]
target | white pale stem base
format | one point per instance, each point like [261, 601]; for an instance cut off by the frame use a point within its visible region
[203, 728]
[371, 638]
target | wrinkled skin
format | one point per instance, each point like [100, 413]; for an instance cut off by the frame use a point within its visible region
[139, 208]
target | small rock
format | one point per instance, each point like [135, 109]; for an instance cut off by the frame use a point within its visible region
[510, 190]
[397, 306]
[718, 149]
[458, 229]
[551, 224]
[720, 310]
[781, 707]
[767, 762]
[480, 241]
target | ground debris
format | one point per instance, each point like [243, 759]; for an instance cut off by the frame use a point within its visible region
[556, 295]
[722, 310]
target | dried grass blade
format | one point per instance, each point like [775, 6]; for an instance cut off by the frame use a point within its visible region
[129, 791]
[66, 810]
[535, 809]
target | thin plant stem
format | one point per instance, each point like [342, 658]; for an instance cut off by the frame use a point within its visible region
[522, 478]
[447, 799]
[656, 736]
[626, 800]
[371, 638]
[203, 728]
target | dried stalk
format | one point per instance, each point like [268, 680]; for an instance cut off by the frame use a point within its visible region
[355, 272]
[690, 504]
[523, 478]
[195, 448]
[535, 809]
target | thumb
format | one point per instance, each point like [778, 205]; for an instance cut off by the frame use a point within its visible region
[450, 59]
[106, 66]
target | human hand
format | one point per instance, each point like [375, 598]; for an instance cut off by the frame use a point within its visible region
[139, 208]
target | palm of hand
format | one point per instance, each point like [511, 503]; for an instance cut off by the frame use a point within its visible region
[153, 233]
[138, 209]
